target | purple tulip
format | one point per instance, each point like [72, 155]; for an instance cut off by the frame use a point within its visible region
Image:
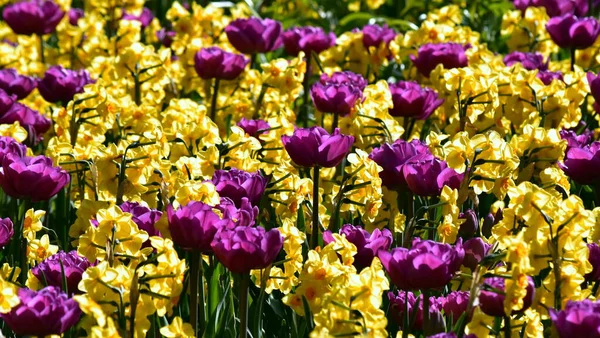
[61, 85]
[345, 77]
[491, 301]
[215, 63]
[574, 140]
[7, 230]
[247, 248]
[307, 39]
[375, 35]
[74, 15]
[367, 245]
[489, 221]
[562, 7]
[335, 98]
[237, 184]
[594, 82]
[194, 226]
[310, 147]
[245, 215]
[165, 37]
[50, 271]
[580, 163]
[578, 319]
[254, 127]
[35, 123]
[529, 61]
[475, 250]
[393, 157]
[427, 265]
[13, 83]
[9, 145]
[412, 100]
[454, 304]
[145, 18]
[420, 173]
[253, 35]
[144, 217]
[569, 31]
[547, 76]
[33, 17]
[449, 54]
[41, 313]
[470, 226]
[33, 178]
[6, 102]
[403, 301]
[594, 259]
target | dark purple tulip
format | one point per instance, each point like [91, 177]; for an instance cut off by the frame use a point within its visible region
[253, 35]
[450, 178]
[9, 145]
[165, 37]
[50, 270]
[7, 230]
[194, 226]
[33, 178]
[310, 147]
[345, 77]
[307, 39]
[60, 84]
[547, 76]
[254, 127]
[475, 250]
[33, 17]
[332, 98]
[492, 303]
[594, 259]
[470, 226]
[375, 35]
[580, 163]
[367, 245]
[393, 157]
[529, 61]
[574, 140]
[578, 319]
[145, 18]
[13, 83]
[449, 54]
[522, 4]
[454, 304]
[35, 123]
[569, 31]
[427, 265]
[403, 301]
[144, 217]
[421, 172]
[215, 63]
[237, 184]
[41, 313]
[412, 100]
[594, 82]
[6, 101]
[74, 15]
[247, 248]
[245, 215]
[562, 7]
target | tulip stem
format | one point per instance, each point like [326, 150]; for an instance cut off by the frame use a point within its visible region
[42, 56]
[195, 258]
[314, 239]
[572, 59]
[244, 282]
[23, 242]
[215, 95]
[507, 329]
[426, 317]
[305, 85]
[334, 124]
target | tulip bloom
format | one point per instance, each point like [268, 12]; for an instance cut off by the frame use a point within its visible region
[37, 17]
[393, 157]
[144, 217]
[594, 259]
[547, 76]
[35, 123]
[310, 147]
[580, 163]
[578, 319]
[412, 100]
[245, 215]
[375, 35]
[74, 15]
[307, 39]
[253, 35]
[367, 245]
[529, 61]
[145, 17]
[253, 127]
[215, 63]
[569, 31]
[13, 83]
[6, 231]
[450, 55]
[492, 303]
[237, 184]
[61, 85]
[50, 270]
[475, 250]
[193, 226]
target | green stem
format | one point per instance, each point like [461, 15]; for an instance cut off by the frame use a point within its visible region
[334, 124]
[202, 302]
[243, 299]
[23, 242]
[507, 329]
[42, 56]
[315, 210]
[215, 95]
[306, 87]
[572, 59]
[194, 282]
[426, 317]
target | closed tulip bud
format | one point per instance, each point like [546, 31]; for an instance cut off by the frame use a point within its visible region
[578, 319]
[74, 15]
[9, 145]
[562, 7]
[61, 85]
[450, 55]
[194, 226]
[144, 217]
[393, 157]
[215, 63]
[33, 17]
[594, 259]
[412, 100]
[547, 76]
[367, 244]
[310, 147]
[6, 231]
[33, 178]
[6, 101]
[491, 300]
[529, 61]
[333, 98]
[475, 250]
[345, 77]
[67, 265]
[580, 163]
[594, 82]
[35, 123]
[569, 31]
[307, 39]
[254, 127]
[375, 35]
[237, 184]
[165, 37]
[470, 226]
[254, 35]
[15, 84]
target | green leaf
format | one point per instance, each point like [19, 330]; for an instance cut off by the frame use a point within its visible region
[359, 16]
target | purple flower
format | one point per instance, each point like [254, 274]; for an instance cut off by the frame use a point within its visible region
[491, 301]
[454, 304]
[375, 35]
[144, 217]
[420, 173]
[580, 163]
[50, 270]
[310, 147]
[237, 184]
[13, 83]
[594, 259]
[60, 84]
[247, 248]
[165, 37]
[578, 319]
[145, 18]
[33, 178]
[254, 127]
[574, 140]
[475, 250]
[194, 226]
[345, 77]
[74, 15]
[35, 123]
[6, 101]
[335, 98]
[522, 4]
[562, 7]
[367, 245]
[569, 31]
[215, 63]
[427, 265]
[393, 157]
[33, 17]
[529, 61]
[307, 39]
[40, 313]
[450, 55]
[6, 231]
[470, 226]
[403, 301]
[594, 82]
[253, 35]
[245, 215]
[9, 145]
[547, 76]
[412, 100]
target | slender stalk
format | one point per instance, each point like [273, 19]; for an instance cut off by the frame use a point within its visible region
[306, 87]
[215, 95]
[194, 282]
[253, 61]
[507, 330]
[315, 210]
[572, 59]
[426, 317]
[202, 298]
[42, 56]
[243, 298]
[23, 243]
[334, 124]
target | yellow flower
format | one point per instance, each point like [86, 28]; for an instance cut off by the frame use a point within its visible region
[177, 329]
[8, 296]
[32, 223]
